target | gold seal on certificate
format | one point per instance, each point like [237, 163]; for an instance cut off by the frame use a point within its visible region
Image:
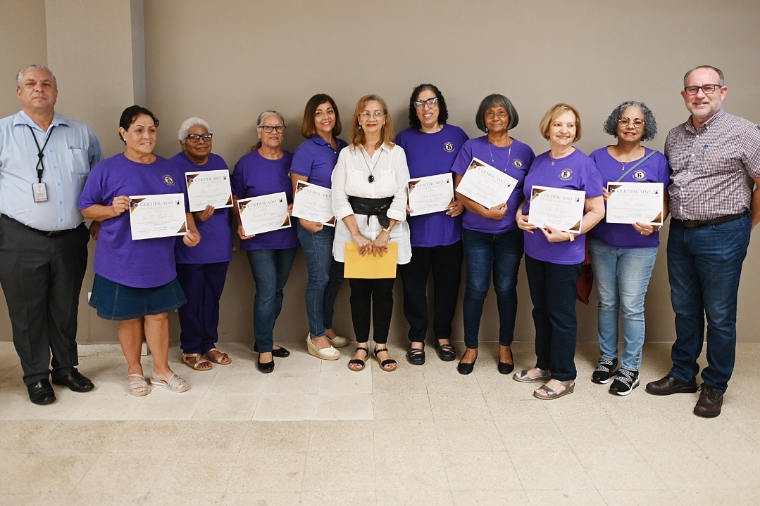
[486, 185]
[264, 214]
[314, 203]
[557, 207]
[635, 202]
[431, 194]
[208, 188]
[153, 216]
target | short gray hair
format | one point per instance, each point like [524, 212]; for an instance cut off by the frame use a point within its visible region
[268, 113]
[716, 69]
[496, 100]
[35, 66]
[189, 123]
[650, 124]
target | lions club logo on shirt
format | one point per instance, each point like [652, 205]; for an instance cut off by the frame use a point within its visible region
[168, 180]
[639, 175]
[448, 147]
[518, 163]
[565, 174]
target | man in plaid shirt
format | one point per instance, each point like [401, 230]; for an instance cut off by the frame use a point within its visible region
[714, 205]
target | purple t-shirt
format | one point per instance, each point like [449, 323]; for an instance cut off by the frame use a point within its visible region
[216, 233]
[255, 176]
[573, 172]
[431, 155]
[513, 160]
[654, 170]
[315, 158]
[146, 263]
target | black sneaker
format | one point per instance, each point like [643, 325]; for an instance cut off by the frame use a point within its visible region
[604, 370]
[625, 382]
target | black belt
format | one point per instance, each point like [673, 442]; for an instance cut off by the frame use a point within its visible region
[714, 221]
[52, 233]
[372, 207]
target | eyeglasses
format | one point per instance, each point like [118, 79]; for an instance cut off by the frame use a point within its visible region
[376, 114]
[419, 104]
[270, 128]
[499, 114]
[707, 88]
[637, 123]
[196, 138]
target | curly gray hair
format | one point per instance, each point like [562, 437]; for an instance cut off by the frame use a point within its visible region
[650, 124]
[189, 123]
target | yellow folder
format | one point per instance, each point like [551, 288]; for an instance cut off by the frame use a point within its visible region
[369, 266]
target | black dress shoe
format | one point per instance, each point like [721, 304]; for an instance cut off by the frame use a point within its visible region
[40, 392]
[75, 381]
[446, 352]
[669, 385]
[279, 352]
[506, 368]
[709, 403]
[416, 356]
[267, 367]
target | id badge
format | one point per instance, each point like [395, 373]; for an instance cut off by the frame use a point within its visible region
[39, 190]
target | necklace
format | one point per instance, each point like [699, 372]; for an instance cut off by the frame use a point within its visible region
[509, 155]
[371, 177]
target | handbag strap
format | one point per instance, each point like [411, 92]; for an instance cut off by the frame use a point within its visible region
[635, 165]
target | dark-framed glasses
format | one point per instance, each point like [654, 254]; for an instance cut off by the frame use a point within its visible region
[196, 138]
[273, 128]
[706, 88]
[637, 123]
[368, 115]
[419, 104]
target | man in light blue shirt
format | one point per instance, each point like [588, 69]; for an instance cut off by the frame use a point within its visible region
[45, 159]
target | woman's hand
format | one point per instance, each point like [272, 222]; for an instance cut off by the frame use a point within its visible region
[605, 194]
[241, 233]
[408, 209]
[205, 214]
[555, 235]
[311, 226]
[365, 245]
[380, 244]
[645, 229]
[94, 230]
[455, 208]
[119, 205]
[290, 209]
[496, 212]
[522, 220]
[191, 238]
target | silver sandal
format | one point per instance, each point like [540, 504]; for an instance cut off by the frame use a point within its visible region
[132, 386]
[547, 394]
[173, 384]
[523, 377]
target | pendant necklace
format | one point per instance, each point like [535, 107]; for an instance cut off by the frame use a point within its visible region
[509, 155]
[371, 177]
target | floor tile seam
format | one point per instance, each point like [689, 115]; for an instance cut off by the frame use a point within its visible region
[517, 474]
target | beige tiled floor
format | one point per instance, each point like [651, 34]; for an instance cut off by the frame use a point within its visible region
[315, 433]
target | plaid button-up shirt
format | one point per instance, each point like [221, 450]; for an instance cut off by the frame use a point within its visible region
[712, 167]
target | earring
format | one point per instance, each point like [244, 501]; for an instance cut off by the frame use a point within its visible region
[360, 128]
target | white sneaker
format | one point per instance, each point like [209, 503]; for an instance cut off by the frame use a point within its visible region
[325, 353]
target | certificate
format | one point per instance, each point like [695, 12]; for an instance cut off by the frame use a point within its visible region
[314, 203]
[635, 202]
[153, 216]
[560, 208]
[264, 214]
[208, 188]
[486, 185]
[430, 194]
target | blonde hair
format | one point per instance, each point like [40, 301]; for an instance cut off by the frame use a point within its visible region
[356, 134]
[553, 114]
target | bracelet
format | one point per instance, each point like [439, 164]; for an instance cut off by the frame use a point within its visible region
[387, 230]
[572, 237]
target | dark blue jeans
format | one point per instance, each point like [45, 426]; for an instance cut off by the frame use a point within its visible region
[270, 268]
[704, 266]
[199, 318]
[325, 277]
[486, 255]
[553, 288]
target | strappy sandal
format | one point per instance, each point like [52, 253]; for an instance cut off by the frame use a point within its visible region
[523, 376]
[446, 352]
[359, 362]
[416, 356]
[173, 384]
[134, 385]
[545, 393]
[197, 362]
[221, 359]
[388, 365]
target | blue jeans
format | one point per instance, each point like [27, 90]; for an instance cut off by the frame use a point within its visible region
[704, 267]
[487, 254]
[270, 268]
[324, 277]
[622, 278]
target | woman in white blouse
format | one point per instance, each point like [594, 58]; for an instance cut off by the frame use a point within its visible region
[369, 201]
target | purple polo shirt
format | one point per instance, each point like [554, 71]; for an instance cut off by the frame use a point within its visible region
[255, 176]
[574, 172]
[654, 170]
[431, 155]
[513, 160]
[315, 158]
[146, 263]
[216, 233]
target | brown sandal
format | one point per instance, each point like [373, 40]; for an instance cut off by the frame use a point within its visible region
[221, 358]
[197, 362]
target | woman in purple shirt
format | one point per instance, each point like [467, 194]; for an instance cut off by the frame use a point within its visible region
[623, 256]
[553, 257]
[314, 161]
[431, 147]
[493, 245]
[202, 270]
[264, 171]
[136, 281]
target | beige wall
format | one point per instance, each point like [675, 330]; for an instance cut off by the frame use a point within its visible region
[227, 60]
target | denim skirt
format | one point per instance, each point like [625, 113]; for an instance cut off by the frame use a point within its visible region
[115, 301]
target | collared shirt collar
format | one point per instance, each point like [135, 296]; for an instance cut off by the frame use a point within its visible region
[21, 118]
[317, 139]
[714, 117]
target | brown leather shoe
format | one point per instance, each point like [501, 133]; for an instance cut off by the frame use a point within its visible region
[709, 403]
[669, 385]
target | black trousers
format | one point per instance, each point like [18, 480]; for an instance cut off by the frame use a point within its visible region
[371, 297]
[446, 263]
[41, 278]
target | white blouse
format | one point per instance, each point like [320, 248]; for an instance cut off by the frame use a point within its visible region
[351, 178]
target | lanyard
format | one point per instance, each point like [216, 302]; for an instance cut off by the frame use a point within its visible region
[40, 155]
